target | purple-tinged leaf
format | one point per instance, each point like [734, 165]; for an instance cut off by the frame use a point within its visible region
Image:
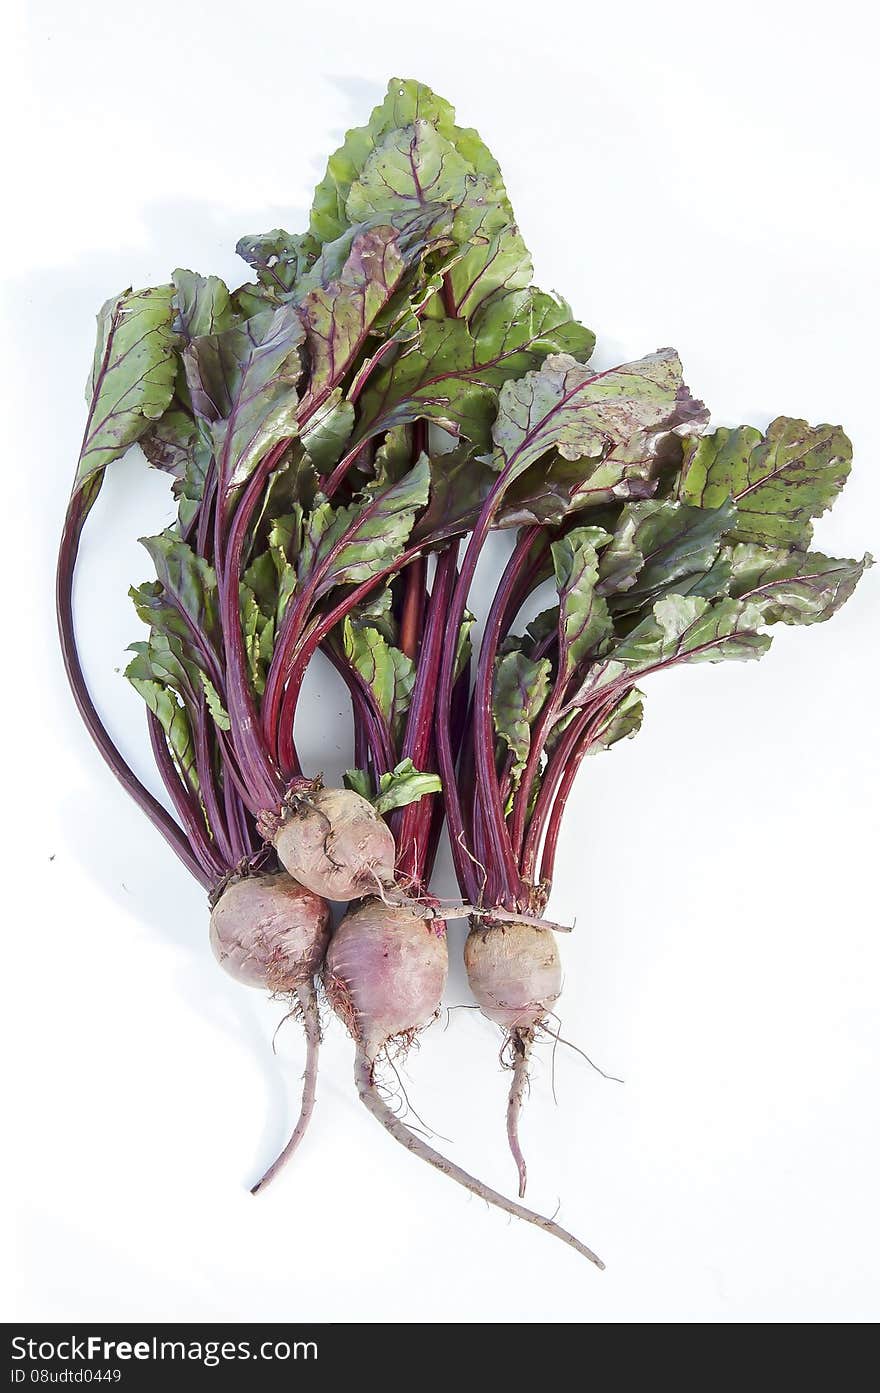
[779, 481]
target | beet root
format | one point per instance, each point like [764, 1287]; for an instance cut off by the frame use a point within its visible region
[307, 1002]
[515, 973]
[269, 931]
[334, 842]
[375, 1103]
[385, 972]
[384, 977]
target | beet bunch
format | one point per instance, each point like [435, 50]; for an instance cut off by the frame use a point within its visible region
[342, 433]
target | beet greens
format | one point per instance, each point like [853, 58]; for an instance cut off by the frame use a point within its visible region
[342, 434]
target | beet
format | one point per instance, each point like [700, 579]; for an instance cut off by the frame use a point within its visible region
[334, 842]
[269, 931]
[385, 972]
[515, 973]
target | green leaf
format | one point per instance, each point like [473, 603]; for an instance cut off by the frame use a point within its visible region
[149, 681]
[215, 705]
[388, 672]
[291, 488]
[451, 372]
[283, 532]
[243, 383]
[460, 482]
[778, 481]
[132, 377]
[258, 629]
[584, 619]
[261, 577]
[349, 544]
[464, 646]
[515, 331]
[339, 312]
[688, 628]
[680, 629]
[659, 548]
[620, 723]
[201, 305]
[404, 155]
[278, 257]
[411, 151]
[435, 379]
[177, 442]
[359, 782]
[495, 257]
[412, 303]
[521, 688]
[404, 784]
[602, 427]
[170, 442]
[181, 447]
[280, 538]
[327, 432]
[154, 609]
[170, 663]
[376, 613]
[393, 458]
[187, 578]
[249, 300]
[623, 721]
[793, 587]
[541, 627]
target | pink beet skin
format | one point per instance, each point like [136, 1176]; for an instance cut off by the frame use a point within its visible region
[336, 843]
[515, 973]
[385, 972]
[269, 931]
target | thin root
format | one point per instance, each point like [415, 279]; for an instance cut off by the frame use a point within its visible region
[308, 1005]
[471, 857]
[371, 1099]
[426, 1130]
[463, 1006]
[295, 1010]
[560, 1040]
[521, 1044]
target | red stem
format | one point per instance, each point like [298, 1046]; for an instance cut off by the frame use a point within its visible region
[566, 783]
[161, 819]
[371, 718]
[293, 624]
[211, 864]
[412, 825]
[487, 784]
[537, 740]
[206, 508]
[330, 485]
[460, 703]
[414, 580]
[413, 608]
[463, 866]
[208, 788]
[552, 774]
[307, 645]
[239, 833]
[589, 720]
[258, 770]
[554, 821]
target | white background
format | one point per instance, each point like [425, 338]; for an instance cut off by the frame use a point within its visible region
[686, 174]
